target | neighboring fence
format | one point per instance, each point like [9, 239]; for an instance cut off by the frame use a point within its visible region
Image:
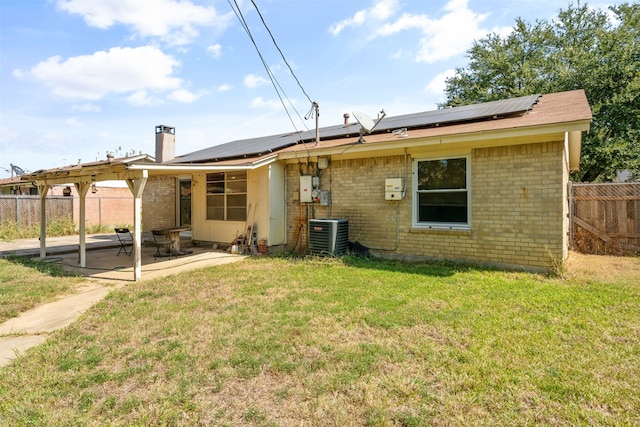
[605, 218]
[25, 210]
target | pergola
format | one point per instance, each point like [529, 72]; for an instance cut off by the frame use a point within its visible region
[135, 171]
[83, 176]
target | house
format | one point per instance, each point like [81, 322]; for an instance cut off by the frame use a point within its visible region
[483, 183]
[16, 186]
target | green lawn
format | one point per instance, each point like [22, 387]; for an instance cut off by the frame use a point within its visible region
[272, 342]
[25, 284]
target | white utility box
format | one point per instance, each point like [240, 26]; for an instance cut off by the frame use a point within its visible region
[306, 188]
[393, 189]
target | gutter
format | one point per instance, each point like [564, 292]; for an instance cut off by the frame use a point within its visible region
[189, 168]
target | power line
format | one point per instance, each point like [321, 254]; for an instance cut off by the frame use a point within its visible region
[279, 50]
[245, 26]
[274, 81]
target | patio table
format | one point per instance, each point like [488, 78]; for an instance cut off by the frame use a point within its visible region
[174, 234]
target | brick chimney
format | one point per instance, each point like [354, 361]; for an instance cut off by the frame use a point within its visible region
[346, 118]
[165, 143]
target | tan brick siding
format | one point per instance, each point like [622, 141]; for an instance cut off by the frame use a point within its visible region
[159, 203]
[517, 207]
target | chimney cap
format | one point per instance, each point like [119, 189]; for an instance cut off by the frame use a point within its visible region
[165, 129]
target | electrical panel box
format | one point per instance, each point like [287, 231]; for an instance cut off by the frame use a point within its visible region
[393, 189]
[305, 189]
[325, 198]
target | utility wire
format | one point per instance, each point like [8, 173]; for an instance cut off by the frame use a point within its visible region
[272, 77]
[279, 50]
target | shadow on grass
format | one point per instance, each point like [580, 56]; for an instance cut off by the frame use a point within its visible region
[50, 267]
[434, 268]
[424, 268]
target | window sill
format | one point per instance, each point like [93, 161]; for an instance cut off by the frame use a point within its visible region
[434, 229]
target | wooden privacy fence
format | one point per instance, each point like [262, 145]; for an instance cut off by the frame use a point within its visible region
[605, 218]
[102, 210]
[25, 210]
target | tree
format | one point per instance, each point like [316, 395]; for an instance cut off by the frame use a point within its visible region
[582, 49]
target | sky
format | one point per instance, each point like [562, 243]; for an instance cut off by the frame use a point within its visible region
[81, 78]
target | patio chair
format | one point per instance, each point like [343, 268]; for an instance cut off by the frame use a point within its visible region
[125, 238]
[164, 242]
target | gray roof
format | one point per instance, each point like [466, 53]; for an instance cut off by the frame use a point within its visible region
[263, 145]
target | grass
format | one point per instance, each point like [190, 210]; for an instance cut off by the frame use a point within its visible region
[25, 284]
[271, 342]
[10, 230]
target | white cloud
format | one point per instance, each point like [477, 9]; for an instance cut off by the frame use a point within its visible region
[441, 38]
[224, 87]
[381, 10]
[140, 98]
[271, 104]
[73, 121]
[444, 37]
[88, 108]
[183, 95]
[437, 85]
[170, 20]
[119, 70]
[252, 81]
[215, 50]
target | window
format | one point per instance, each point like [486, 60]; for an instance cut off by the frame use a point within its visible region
[442, 193]
[227, 196]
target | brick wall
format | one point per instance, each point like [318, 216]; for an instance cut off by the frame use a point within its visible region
[159, 203]
[108, 206]
[517, 208]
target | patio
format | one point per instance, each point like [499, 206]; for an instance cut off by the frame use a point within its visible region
[104, 263]
[107, 265]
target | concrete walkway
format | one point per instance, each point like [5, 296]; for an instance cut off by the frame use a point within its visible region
[33, 327]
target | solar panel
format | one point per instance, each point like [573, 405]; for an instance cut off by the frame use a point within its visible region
[460, 114]
[262, 145]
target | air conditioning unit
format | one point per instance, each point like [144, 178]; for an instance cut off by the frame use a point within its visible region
[328, 236]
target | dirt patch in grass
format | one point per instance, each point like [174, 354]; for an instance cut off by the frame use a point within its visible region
[603, 268]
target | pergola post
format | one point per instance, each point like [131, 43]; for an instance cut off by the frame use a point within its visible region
[137, 187]
[43, 189]
[83, 189]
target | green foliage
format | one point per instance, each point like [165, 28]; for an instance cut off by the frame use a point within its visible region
[11, 230]
[582, 49]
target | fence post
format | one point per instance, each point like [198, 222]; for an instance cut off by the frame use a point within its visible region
[571, 214]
